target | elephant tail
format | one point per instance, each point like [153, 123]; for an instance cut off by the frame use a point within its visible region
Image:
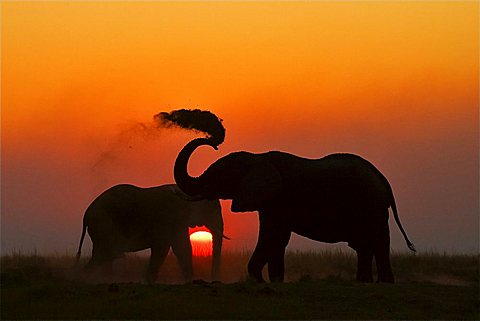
[397, 219]
[84, 230]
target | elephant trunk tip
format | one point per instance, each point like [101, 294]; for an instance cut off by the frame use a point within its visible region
[194, 119]
[189, 185]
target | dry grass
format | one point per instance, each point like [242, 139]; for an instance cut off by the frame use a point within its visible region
[320, 286]
[431, 267]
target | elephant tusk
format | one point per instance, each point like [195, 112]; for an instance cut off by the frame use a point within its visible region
[219, 233]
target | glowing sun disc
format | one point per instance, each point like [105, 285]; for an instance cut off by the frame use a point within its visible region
[201, 236]
[201, 243]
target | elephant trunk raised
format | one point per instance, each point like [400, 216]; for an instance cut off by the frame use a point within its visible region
[188, 184]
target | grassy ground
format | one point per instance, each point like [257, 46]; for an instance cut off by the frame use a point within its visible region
[320, 286]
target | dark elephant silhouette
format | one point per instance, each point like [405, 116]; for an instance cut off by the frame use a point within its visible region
[340, 197]
[127, 218]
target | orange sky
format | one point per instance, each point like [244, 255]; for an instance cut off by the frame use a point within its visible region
[396, 82]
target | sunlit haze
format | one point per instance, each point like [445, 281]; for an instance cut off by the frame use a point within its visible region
[394, 82]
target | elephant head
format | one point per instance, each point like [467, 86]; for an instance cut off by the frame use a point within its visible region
[249, 180]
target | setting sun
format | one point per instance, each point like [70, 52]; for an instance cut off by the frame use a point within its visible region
[201, 243]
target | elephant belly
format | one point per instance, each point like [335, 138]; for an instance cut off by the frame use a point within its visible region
[322, 233]
[136, 244]
[326, 228]
[341, 226]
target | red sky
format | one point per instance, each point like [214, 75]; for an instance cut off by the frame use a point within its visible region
[396, 83]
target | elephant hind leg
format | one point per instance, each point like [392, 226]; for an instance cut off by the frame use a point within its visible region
[101, 253]
[100, 264]
[382, 249]
[382, 260]
[364, 266]
[256, 263]
[384, 268]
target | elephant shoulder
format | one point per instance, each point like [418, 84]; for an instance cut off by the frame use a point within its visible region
[121, 190]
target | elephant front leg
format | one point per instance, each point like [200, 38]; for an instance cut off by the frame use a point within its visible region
[276, 265]
[182, 248]
[277, 243]
[257, 262]
[158, 255]
[272, 241]
[364, 266]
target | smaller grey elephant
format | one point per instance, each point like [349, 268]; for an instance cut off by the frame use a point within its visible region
[127, 218]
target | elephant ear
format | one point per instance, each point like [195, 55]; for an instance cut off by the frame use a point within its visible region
[259, 186]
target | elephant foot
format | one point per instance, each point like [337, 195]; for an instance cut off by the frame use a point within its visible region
[198, 281]
[255, 274]
[364, 278]
[276, 279]
[386, 279]
[256, 278]
[149, 281]
[150, 278]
